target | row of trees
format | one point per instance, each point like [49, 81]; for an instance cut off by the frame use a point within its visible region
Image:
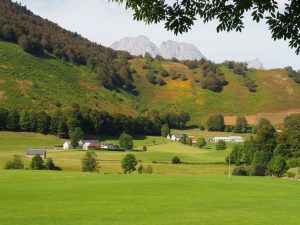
[36, 36]
[89, 163]
[217, 123]
[63, 123]
[37, 163]
[269, 153]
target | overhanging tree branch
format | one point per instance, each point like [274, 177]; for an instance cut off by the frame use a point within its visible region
[180, 16]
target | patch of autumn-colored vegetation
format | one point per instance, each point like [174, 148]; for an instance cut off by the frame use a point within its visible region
[3, 66]
[199, 101]
[24, 86]
[179, 84]
[87, 85]
[1, 94]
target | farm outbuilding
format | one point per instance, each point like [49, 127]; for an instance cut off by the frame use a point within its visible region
[30, 153]
[228, 139]
[67, 145]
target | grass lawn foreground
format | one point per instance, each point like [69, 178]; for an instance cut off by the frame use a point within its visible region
[67, 198]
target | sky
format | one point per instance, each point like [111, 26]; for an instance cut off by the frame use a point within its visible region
[104, 22]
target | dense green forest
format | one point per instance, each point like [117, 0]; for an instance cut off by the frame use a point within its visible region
[63, 122]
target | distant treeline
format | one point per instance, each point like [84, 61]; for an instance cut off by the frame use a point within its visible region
[63, 122]
[36, 36]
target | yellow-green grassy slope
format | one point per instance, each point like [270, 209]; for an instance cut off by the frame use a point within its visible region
[276, 92]
[29, 82]
[46, 83]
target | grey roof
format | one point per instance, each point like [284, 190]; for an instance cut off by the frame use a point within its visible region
[180, 135]
[35, 151]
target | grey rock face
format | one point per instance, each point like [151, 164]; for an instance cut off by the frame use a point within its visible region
[168, 49]
[136, 46]
[181, 51]
[255, 64]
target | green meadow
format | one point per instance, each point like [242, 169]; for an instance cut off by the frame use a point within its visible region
[67, 198]
[159, 153]
[197, 191]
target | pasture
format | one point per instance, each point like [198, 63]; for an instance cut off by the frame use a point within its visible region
[67, 198]
[159, 153]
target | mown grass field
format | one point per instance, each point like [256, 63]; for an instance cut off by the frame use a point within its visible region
[67, 198]
[190, 193]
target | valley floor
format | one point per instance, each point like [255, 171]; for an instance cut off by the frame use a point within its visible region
[195, 192]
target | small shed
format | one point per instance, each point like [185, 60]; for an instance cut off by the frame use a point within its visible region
[30, 153]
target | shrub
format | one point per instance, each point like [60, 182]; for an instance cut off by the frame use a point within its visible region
[201, 127]
[141, 169]
[161, 81]
[163, 72]
[277, 166]
[289, 174]
[184, 77]
[125, 141]
[293, 162]
[176, 160]
[149, 169]
[221, 145]
[259, 163]
[200, 142]
[144, 148]
[49, 165]
[228, 128]
[37, 163]
[89, 162]
[151, 78]
[175, 75]
[165, 130]
[129, 163]
[189, 141]
[182, 140]
[241, 171]
[15, 163]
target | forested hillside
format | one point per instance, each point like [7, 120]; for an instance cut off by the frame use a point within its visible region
[45, 67]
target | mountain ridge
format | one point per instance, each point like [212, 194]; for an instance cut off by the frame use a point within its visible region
[168, 49]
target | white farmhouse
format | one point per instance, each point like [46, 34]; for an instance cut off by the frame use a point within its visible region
[67, 145]
[228, 139]
[176, 137]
